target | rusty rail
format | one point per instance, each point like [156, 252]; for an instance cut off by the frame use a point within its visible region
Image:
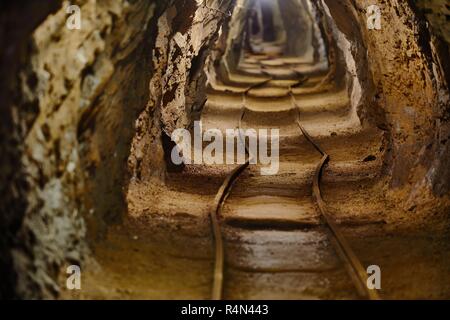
[219, 200]
[342, 247]
[352, 263]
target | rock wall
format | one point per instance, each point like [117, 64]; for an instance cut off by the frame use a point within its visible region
[15, 29]
[299, 27]
[77, 103]
[437, 12]
[410, 89]
[77, 95]
[185, 34]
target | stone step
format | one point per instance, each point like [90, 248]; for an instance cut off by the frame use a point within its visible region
[280, 250]
[334, 101]
[241, 285]
[271, 211]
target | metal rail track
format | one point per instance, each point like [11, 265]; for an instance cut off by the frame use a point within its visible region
[353, 265]
[219, 200]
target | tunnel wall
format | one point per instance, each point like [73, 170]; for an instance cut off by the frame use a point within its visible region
[76, 97]
[231, 40]
[15, 29]
[344, 68]
[186, 33]
[299, 27]
[75, 129]
[408, 97]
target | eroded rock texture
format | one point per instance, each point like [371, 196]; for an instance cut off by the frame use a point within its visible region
[410, 89]
[15, 29]
[85, 94]
[185, 33]
[83, 91]
[78, 97]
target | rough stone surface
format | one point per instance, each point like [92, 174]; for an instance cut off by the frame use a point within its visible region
[410, 89]
[185, 33]
[77, 96]
[77, 118]
[15, 29]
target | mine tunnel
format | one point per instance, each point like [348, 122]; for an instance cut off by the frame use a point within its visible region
[225, 149]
